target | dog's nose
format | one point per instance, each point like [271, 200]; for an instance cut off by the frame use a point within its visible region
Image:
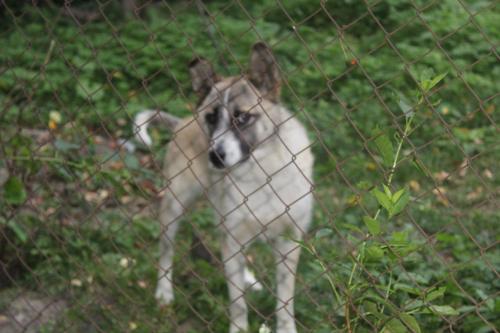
[217, 156]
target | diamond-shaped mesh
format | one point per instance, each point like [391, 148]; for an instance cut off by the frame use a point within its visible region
[400, 102]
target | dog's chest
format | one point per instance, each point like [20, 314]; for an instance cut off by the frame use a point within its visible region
[263, 198]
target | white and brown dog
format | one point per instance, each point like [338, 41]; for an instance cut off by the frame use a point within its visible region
[252, 159]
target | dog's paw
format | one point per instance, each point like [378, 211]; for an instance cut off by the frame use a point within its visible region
[286, 326]
[286, 329]
[257, 286]
[164, 296]
[251, 282]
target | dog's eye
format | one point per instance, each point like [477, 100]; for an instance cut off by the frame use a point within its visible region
[241, 118]
[211, 118]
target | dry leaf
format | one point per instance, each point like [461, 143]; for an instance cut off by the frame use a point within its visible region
[354, 200]
[440, 193]
[414, 185]
[126, 199]
[90, 196]
[124, 262]
[442, 176]
[76, 283]
[52, 125]
[488, 174]
[103, 194]
[148, 185]
[476, 194]
[463, 168]
[490, 109]
[49, 211]
[99, 140]
[370, 166]
[116, 165]
[146, 160]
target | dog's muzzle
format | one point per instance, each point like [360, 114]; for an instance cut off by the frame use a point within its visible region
[217, 157]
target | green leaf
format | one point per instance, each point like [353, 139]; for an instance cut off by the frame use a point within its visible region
[371, 309]
[397, 195]
[379, 300]
[405, 106]
[388, 192]
[65, 146]
[323, 233]
[394, 326]
[351, 227]
[16, 228]
[383, 199]
[374, 252]
[18, 231]
[132, 162]
[435, 294]
[410, 322]
[87, 88]
[399, 238]
[428, 84]
[407, 288]
[434, 81]
[425, 84]
[14, 191]
[400, 204]
[372, 225]
[444, 310]
[385, 148]
[416, 304]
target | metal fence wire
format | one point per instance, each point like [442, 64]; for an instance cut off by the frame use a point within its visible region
[399, 102]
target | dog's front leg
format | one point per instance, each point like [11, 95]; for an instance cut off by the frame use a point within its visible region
[170, 214]
[287, 257]
[234, 267]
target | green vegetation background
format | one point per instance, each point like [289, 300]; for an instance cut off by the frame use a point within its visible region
[77, 217]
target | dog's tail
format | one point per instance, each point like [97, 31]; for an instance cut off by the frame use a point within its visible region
[144, 118]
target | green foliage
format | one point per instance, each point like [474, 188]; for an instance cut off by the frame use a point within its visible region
[391, 304]
[393, 203]
[14, 192]
[387, 110]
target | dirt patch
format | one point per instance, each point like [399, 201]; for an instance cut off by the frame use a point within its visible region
[28, 312]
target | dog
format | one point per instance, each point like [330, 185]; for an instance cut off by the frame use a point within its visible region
[251, 158]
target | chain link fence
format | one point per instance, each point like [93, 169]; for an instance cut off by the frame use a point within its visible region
[399, 101]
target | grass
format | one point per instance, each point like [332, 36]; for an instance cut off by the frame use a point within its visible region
[78, 217]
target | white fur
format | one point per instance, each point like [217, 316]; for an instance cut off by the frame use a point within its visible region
[141, 123]
[251, 281]
[224, 138]
[144, 118]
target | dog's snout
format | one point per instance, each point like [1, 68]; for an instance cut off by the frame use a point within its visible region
[217, 157]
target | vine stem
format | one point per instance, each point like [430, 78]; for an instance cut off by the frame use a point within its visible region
[398, 150]
[389, 182]
[387, 292]
[313, 251]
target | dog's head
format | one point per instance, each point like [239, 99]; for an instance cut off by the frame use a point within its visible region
[237, 111]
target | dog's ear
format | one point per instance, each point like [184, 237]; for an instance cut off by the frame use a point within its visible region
[264, 72]
[203, 76]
